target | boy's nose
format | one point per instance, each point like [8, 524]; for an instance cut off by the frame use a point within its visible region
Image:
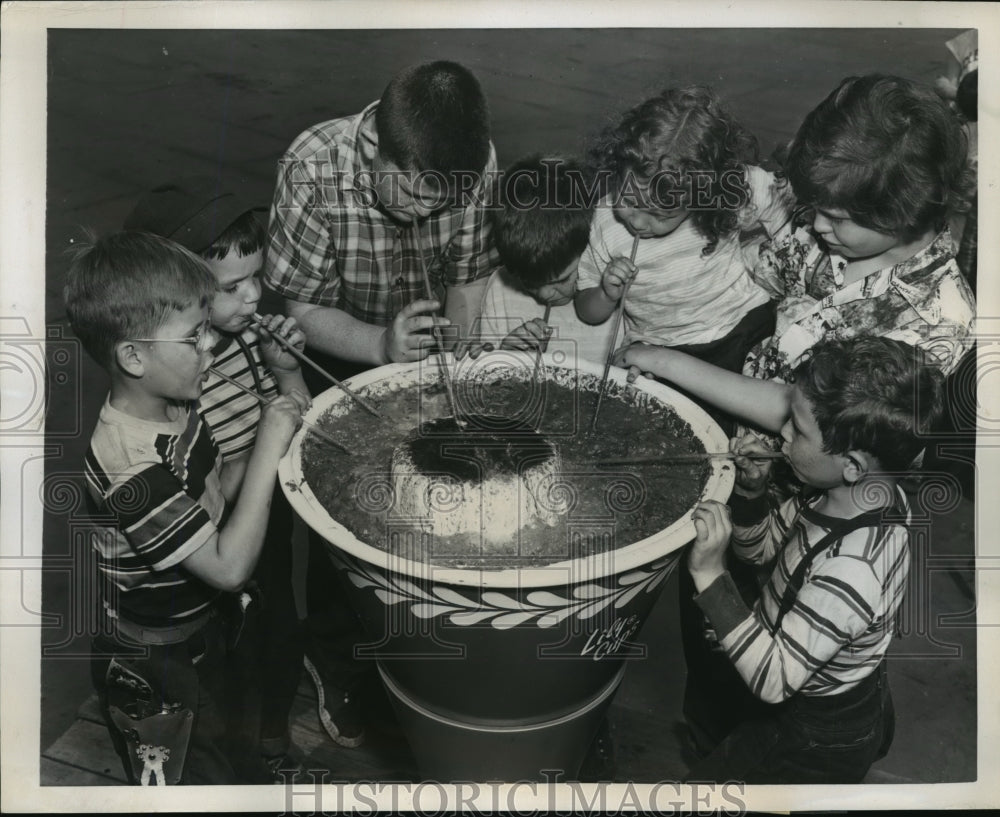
[253, 291]
[821, 224]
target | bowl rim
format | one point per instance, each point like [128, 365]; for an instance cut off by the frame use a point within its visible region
[611, 563]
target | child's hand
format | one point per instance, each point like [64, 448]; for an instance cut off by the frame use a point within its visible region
[407, 339]
[751, 474]
[617, 274]
[303, 401]
[639, 359]
[707, 558]
[275, 355]
[279, 420]
[472, 347]
[529, 336]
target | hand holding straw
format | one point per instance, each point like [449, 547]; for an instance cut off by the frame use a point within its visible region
[436, 332]
[263, 401]
[614, 334]
[259, 320]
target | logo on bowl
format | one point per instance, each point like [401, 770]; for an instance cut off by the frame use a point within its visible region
[611, 639]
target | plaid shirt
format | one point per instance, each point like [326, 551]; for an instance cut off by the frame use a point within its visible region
[329, 246]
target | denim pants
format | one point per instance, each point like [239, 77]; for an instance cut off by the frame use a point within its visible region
[809, 739]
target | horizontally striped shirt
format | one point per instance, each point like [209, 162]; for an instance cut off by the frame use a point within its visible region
[679, 296]
[156, 499]
[840, 623]
[233, 414]
[329, 246]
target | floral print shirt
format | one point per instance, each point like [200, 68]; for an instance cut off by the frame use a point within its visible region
[924, 301]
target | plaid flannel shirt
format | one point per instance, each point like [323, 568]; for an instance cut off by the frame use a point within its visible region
[329, 244]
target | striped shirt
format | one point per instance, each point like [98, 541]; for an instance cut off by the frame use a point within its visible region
[839, 624]
[232, 414]
[678, 296]
[329, 246]
[155, 492]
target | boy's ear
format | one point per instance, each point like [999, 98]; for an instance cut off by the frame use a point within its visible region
[857, 464]
[368, 139]
[129, 358]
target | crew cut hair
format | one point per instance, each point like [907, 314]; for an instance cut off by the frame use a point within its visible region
[434, 117]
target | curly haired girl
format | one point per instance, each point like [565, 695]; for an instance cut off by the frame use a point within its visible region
[682, 184]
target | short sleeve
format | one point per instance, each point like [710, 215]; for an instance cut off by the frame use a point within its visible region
[473, 254]
[161, 523]
[301, 263]
[596, 256]
[771, 203]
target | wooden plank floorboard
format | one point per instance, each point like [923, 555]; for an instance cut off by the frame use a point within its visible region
[86, 746]
[58, 773]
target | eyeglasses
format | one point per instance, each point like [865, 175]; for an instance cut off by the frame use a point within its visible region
[203, 340]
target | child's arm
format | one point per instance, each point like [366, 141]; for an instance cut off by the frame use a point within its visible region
[227, 560]
[760, 403]
[232, 476]
[845, 604]
[596, 304]
[707, 559]
[282, 363]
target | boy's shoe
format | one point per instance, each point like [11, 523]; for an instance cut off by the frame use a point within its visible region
[338, 711]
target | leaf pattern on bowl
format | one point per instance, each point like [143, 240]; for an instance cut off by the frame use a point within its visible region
[503, 609]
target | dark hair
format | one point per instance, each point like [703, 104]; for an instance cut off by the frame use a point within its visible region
[886, 150]
[872, 394]
[246, 235]
[967, 96]
[543, 220]
[126, 285]
[434, 117]
[674, 136]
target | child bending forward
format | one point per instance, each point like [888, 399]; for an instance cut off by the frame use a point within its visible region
[683, 185]
[814, 643]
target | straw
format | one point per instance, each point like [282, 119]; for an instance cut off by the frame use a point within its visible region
[264, 401]
[436, 332]
[670, 458]
[259, 320]
[611, 351]
[548, 331]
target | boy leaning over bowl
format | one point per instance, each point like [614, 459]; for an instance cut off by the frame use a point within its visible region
[140, 306]
[814, 644]
[541, 227]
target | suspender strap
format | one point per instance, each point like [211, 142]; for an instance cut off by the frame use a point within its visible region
[798, 577]
[251, 363]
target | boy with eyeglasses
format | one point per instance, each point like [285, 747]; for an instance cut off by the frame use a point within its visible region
[167, 546]
[221, 220]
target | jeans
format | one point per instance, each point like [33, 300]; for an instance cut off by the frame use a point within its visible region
[809, 739]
